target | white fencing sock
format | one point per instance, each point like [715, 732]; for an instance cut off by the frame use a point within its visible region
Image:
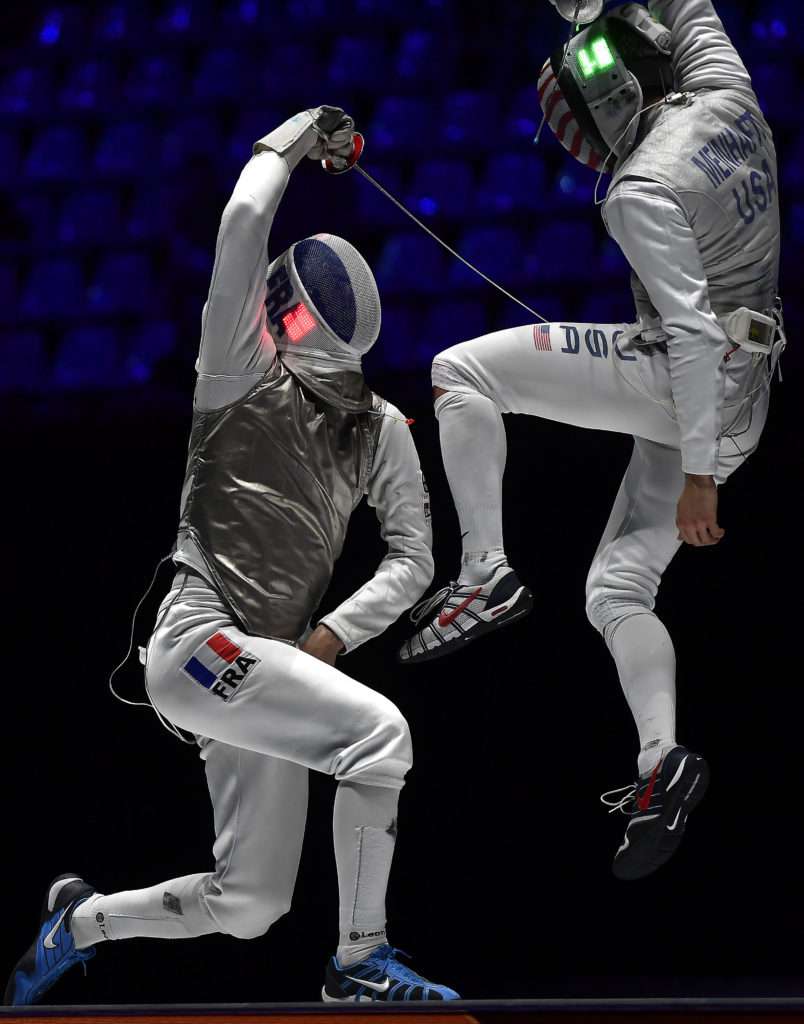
[474, 449]
[646, 662]
[364, 828]
[172, 910]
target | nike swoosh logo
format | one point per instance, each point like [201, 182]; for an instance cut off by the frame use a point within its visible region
[672, 828]
[445, 620]
[49, 943]
[644, 801]
[377, 987]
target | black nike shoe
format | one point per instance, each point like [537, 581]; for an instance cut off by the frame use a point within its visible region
[53, 950]
[658, 805]
[462, 612]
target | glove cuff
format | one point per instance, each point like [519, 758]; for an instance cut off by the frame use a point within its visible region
[292, 140]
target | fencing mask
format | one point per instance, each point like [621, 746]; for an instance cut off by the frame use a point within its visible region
[323, 313]
[592, 91]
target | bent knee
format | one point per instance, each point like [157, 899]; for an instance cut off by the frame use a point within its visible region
[383, 755]
[248, 918]
[607, 606]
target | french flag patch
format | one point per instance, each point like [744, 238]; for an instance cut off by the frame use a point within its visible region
[220, 665]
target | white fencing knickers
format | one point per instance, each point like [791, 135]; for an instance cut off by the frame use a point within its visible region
[590, 375]
[264, 712]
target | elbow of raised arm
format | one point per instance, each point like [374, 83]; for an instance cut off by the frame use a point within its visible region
[242, 213]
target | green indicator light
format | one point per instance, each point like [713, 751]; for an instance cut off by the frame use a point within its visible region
[604, 58]
[587, 64]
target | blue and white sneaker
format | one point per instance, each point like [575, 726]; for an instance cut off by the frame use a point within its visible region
[379, 978]
[53, 950]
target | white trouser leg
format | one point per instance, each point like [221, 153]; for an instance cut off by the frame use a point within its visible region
[582, 375]
[260, 807]
[472, 433]
[638, 544]
[571, 373]
[289, 712]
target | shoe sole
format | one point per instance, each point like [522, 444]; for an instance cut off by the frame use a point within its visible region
[522, 607]
[648, 857]
[327, 998]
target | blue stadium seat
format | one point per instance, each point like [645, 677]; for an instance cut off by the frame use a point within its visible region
[182, 139]
[401, 327]
[60, 27]
[611, 261]
[607, 307]
[152, 342]
[121, 24]
[562, 253]
[152, 212]
[123, 283]
[185, 19]
[221, 76]
[290, 75]
[250, 126]
[469, 121]
[513, 182]
[374, 209]
[442, 187]
[125, 150]
[57, 154]
[55, 288]
[26, 90]
[448, 323]
[524, 115]
[9, 155]
[32, 219]
[155, 81]
[24, 360]
[424, 59]
[8, 290]
[400, 125]
[87, 358]
[774, 83]
[357, 63]
[90, 216]
[237, 16]
[314, 14]
[410, 263]
[574, 188]
[796, 223]
[497, 251]
[90, 85]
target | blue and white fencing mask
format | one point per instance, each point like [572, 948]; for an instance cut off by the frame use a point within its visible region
[322, 305]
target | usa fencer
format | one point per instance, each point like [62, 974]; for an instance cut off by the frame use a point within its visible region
[659, 98]
[286, 440]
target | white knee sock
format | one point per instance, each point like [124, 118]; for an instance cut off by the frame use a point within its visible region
[473, 448]
[646, 663]
[364, 828]
[172, 910]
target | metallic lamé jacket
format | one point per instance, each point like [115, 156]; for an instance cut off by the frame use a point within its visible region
[271, 483]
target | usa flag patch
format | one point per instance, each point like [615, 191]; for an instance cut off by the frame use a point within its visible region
[220, 665]
[541, 337]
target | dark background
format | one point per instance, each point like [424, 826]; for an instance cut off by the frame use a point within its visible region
[122, 129]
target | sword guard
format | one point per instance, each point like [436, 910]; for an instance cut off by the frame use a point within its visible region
[345, 164]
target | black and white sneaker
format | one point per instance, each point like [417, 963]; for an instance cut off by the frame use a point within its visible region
[658, 805]
[465, 613]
